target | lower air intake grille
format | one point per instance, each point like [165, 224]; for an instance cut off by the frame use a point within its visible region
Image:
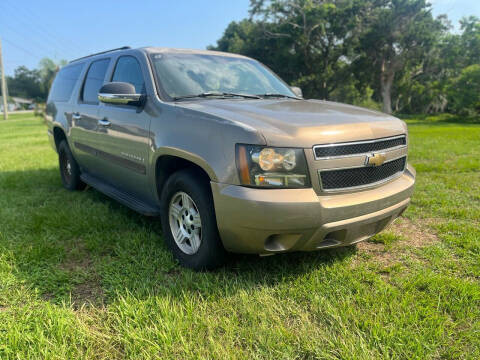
[347, 178]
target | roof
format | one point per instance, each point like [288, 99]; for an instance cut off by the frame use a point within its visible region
[164, 50]
[101, 52]
[151, 49]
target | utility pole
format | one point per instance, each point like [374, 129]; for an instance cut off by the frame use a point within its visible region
[4, 86]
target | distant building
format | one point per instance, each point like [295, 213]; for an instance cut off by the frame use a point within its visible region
[16, 103]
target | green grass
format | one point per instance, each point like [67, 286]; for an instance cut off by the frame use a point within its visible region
[84, 277]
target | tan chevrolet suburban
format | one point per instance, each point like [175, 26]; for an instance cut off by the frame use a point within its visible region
[229, 157]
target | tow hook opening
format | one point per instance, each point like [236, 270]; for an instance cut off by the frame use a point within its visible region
[333, 239]
[281, 242]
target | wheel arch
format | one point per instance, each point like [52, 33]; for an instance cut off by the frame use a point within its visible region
[171, 160]
[58, 135]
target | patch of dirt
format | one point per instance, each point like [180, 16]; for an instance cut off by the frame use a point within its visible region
[173, 273]
[84, 263]
[411, 234]
[414, 234]
[377, 251]
[90, 291]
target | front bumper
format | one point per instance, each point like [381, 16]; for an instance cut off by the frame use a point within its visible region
[265, 221]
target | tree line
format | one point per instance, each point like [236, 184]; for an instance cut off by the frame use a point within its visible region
[34, 83]
[393, 55]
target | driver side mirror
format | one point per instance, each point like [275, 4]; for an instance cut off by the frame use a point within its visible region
[297, 91]
[120, 93]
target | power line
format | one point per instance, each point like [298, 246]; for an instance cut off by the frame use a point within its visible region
[64, 45]
[22, 49]
[21, 25]
[43, 46]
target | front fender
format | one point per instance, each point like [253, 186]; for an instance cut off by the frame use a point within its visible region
[194, 158]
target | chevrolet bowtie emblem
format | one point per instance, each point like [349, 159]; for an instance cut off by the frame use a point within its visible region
[375, 159]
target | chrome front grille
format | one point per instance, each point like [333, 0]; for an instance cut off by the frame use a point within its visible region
[359, 147]
[346, 166]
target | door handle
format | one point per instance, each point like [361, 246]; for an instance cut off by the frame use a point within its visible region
[104, 123]
[76, 116]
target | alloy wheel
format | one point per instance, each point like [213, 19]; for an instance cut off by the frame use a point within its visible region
[185, 223]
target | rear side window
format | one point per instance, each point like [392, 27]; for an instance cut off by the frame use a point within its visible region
[128, 70]
[94, 80]
[64, 83]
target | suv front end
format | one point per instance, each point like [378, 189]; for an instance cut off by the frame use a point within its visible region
[352, 191]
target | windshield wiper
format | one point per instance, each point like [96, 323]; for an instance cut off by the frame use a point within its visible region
[216, 94]
[267, 95]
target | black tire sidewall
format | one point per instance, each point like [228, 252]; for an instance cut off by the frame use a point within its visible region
[211, 253]
[75, 182]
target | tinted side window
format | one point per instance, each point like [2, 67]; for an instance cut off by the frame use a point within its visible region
[128, 70]
[64, 83]
[94, 80]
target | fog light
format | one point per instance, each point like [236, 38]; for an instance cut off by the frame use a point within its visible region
[269, 180]
[280, 180]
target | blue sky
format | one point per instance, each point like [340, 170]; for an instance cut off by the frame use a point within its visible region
[57, 29]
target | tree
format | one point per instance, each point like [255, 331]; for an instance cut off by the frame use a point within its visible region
[319, 35]
[398, 34]
[463, 85]
[430, 87]
[26, 83]
[306, 42]
[420, 85]
[249, 38]
[464, 92]
[470, 40]
[48, 69]
[34, 84]
[363, 51]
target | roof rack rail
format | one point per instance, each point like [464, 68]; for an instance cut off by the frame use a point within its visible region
[101, 52]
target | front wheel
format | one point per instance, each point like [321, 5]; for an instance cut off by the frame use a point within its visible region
[188, 221]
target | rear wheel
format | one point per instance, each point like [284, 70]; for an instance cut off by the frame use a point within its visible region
[189, 223]
[69, 169]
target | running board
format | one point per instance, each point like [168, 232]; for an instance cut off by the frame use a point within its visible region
[120, 196]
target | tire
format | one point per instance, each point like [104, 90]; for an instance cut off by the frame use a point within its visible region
[69, 169]
[187, 210]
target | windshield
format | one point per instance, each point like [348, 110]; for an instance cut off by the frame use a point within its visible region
[182, 75]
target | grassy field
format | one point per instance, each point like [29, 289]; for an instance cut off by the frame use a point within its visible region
[82, 277]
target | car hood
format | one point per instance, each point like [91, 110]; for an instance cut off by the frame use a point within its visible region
[302, 123]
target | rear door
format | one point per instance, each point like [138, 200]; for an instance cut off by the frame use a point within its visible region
[85, 118]
[59, 103]
[124, 137]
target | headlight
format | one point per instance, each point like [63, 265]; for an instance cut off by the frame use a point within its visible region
[272, 167]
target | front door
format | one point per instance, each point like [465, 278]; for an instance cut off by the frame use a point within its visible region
[124, 135]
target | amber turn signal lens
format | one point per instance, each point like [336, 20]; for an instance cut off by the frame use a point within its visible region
[243, 165]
